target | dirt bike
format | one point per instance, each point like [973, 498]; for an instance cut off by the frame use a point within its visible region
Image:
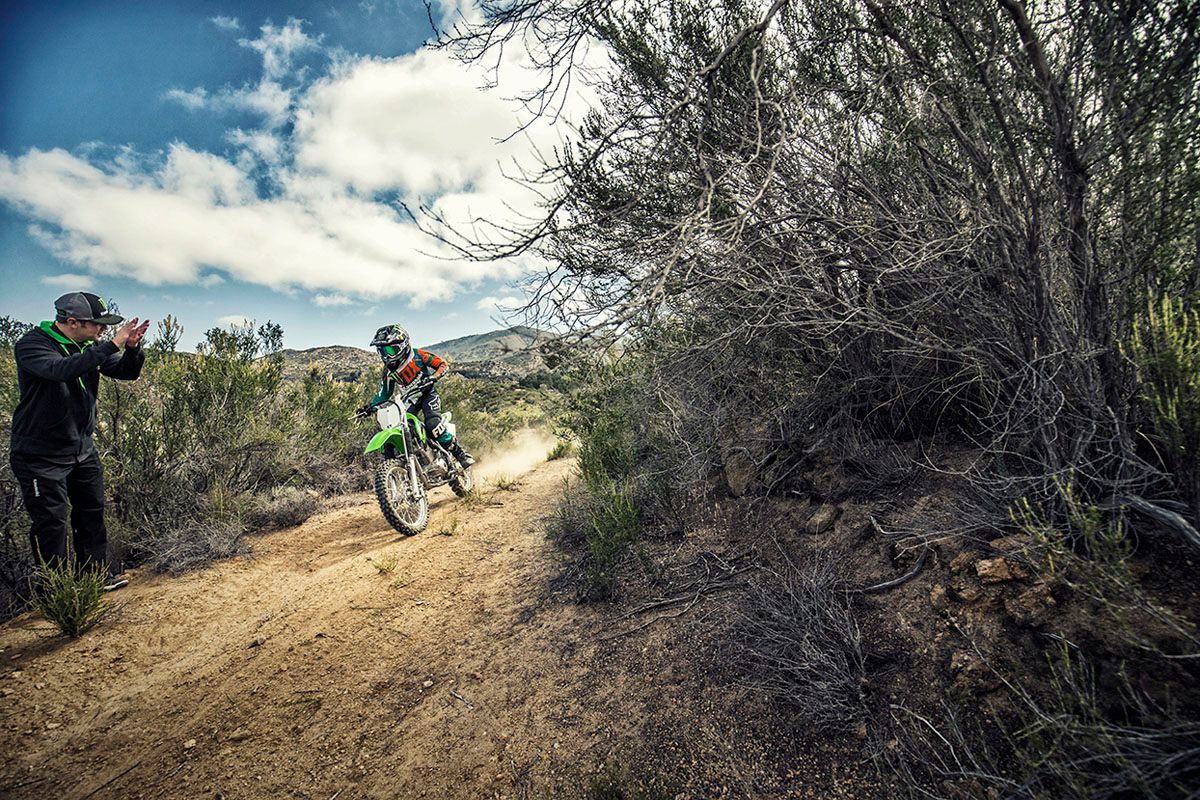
[413, 463]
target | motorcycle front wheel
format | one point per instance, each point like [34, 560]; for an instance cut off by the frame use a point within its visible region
[405, 507]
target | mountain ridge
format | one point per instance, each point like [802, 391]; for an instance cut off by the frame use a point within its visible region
[503, 354]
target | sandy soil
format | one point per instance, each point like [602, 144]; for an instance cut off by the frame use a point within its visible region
[345, 661]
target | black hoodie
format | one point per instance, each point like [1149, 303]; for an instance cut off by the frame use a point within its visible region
[59, 381]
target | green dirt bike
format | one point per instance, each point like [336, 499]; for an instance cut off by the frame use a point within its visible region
[413, 463]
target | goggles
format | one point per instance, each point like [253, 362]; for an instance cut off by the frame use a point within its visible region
[388, 350]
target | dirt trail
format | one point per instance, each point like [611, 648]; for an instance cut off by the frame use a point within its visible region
[306, 671]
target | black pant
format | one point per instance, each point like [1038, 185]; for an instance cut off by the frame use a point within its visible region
[47, 485]
[430, 406]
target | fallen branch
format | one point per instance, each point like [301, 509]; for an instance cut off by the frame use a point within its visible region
[1163, 516]
[881, 587]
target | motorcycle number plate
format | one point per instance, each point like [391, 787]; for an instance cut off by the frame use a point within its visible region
[388, 416]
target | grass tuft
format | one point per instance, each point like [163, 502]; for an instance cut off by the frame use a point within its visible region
[386, 564]
[71, 598]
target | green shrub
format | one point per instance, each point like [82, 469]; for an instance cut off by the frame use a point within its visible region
[16, 562]
[1090, 553]
[1165, 345]
[562, 448]
[487, 413]
[71, 598]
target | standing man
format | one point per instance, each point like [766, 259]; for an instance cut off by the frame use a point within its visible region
[53, 456]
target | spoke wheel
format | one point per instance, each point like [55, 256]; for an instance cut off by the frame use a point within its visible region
[463, 482]
[405, 509]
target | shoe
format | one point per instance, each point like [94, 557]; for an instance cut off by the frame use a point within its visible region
[114, 582]
[456, 450]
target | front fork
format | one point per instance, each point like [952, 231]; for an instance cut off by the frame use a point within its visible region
[413, 482]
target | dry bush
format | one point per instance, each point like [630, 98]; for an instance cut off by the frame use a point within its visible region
[800, 645]
[284, 507]
[1076, 742]
[195, 545]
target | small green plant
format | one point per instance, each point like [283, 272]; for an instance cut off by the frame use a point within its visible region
[614, 525]
[450, 529]
[401, 581]
[71, 598]
[505, 483]
[386, 564]
[310, 701]
[1165, 346]
[1090, 552]
[561, 449]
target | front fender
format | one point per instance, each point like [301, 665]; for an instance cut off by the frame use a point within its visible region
[393, 436]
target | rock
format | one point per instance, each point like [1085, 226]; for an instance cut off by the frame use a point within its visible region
[740, 472]
[962, 561]
[994, 570]
[1032, 607]
[1009, 544]
[938, 597]
[189, 744]
[258, 641]
[52, 725]
[822, 520]
[967, 592]
[427, 683]
[239, 735]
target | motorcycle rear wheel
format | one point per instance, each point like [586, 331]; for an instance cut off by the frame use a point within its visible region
[463, 482]
[403, 511]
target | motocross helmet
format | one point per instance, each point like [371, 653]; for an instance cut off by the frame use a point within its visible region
[394, 346]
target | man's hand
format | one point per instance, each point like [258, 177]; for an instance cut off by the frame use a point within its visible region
[364, 411]
[123, 334]
[137, 334]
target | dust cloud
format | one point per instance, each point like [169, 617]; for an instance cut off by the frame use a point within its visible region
[526, 449]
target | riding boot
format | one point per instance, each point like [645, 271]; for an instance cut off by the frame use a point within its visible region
[456, 450]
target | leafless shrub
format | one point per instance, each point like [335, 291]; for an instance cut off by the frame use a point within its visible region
[801, 644]
[1076, 742]
[942, 755]
[284, 507]
[195, 545]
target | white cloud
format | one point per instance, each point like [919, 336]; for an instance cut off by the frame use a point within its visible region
[303, 206]
[502, 305]
[68, 281]
[226, 23]
[278, 46]
[417, 122]
[266, 98]
[330, 300]
[191, 99]
[238, 320]
[261, 144]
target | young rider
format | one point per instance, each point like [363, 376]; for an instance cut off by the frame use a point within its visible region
[405, 368]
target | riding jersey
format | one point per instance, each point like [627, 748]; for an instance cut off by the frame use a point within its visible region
[419, 366]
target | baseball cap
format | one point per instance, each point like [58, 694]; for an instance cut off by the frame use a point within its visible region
[85, 307]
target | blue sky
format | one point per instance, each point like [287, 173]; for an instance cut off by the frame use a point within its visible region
[222, 161]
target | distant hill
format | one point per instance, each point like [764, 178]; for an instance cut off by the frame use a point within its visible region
[342, 364]
[508, 354]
